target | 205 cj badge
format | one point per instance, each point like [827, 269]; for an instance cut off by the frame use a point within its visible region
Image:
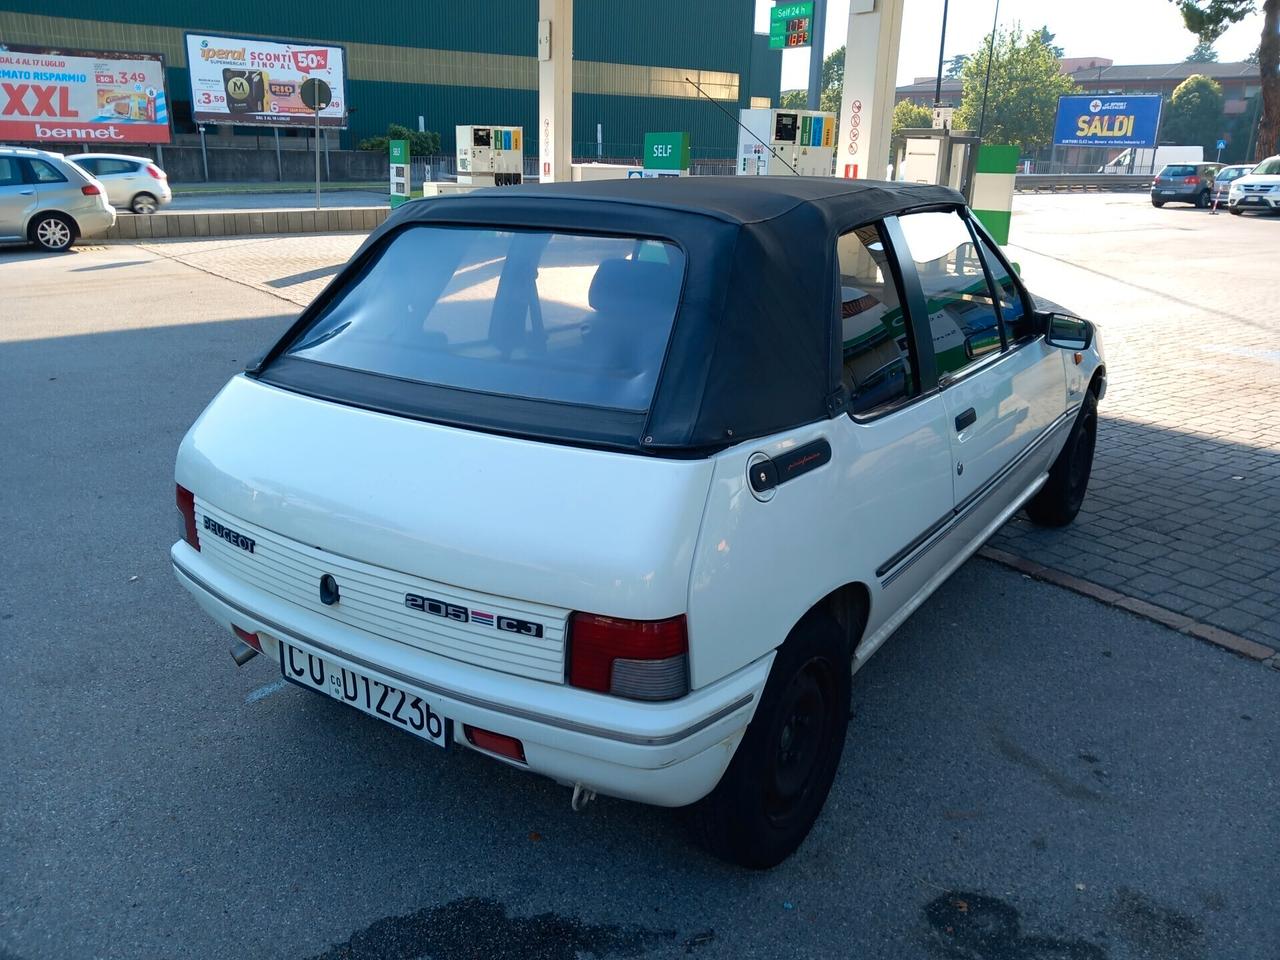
[460, 614]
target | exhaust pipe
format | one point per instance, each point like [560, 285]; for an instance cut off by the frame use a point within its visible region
[581, 797]
[242, 653]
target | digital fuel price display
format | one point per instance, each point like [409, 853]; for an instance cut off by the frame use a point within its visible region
[790, 25]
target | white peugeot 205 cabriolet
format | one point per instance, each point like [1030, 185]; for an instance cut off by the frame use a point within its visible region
[620, 482]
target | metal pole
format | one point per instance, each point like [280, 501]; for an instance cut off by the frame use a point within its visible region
[279, 163]
[599, 141]
[328, 174]
[942, 45]
[817, 37]
[204, 155]
[991, 55]
[317, 140]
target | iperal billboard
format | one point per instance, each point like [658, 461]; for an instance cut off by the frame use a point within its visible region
[52, 95]
[241, 80]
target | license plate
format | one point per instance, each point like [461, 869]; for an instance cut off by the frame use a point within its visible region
[395, 706]
[1167, 193]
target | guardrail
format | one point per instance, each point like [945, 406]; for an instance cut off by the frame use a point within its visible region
[1081, 182]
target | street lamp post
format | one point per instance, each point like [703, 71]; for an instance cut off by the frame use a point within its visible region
[991, 55]
[942, 46]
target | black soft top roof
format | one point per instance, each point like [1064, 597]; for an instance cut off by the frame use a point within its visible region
[740, 200]
[755, 348]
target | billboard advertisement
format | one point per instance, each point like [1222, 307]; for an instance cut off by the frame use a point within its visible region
[1107, 121]
[53, 95]
[259, 82]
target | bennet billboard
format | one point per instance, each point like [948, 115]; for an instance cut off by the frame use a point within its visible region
[52, 95]
[1107, 121]
[258, 82]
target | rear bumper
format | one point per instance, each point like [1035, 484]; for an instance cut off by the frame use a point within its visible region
[92, 222]
[668, 754]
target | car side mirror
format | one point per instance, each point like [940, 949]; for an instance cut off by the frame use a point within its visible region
[1068, 332]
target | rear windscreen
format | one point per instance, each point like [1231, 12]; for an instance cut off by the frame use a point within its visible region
[1178, 170]
[564, 317]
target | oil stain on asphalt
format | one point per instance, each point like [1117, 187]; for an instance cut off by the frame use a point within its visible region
[475, 928]
[973, 926]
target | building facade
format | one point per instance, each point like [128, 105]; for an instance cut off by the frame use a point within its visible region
[458, 63]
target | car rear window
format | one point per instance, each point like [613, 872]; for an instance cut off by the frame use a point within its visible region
[571, 318]
[1178, 170]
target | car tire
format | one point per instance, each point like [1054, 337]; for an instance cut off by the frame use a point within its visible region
[1157, 203]
[144, 203]
[781, 773]
[1060, 499]
[53, 232]
[1235, 211]
[1202, 199]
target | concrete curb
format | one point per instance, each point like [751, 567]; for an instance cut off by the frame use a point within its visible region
[1242, 646]
[244, 223]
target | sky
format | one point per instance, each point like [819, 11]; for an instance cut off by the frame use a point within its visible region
[1126, 31]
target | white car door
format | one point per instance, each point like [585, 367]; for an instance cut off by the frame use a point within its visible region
[119, 177]
[17, 198]
[1002, 385]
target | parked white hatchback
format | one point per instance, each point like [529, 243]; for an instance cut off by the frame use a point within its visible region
[619, 482]
[132, 183]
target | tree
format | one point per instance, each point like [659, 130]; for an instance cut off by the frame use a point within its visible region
[909, 114]
[1022, 98]
[832, 87]
[421, 144]
[1047, 39]
[1209, 19]
[1203, 53]
[955, 66]
[1194, 114]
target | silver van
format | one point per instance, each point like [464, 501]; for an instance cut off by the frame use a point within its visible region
[48, 200]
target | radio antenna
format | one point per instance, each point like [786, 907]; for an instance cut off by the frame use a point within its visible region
[744, 126]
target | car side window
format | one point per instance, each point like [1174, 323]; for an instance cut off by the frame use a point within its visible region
[107, 167]
[1018, 319]
[10, 172]
[963, 321]
[89, 165]
[44, 172]
[880, 371]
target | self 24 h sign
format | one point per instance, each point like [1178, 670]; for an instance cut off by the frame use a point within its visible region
[1107, 121]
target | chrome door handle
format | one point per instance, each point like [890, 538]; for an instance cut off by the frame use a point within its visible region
[26, 193]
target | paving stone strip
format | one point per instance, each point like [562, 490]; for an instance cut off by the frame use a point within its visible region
[1182, 510]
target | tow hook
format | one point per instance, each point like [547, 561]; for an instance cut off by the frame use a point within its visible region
[242, 653]
[581, 796]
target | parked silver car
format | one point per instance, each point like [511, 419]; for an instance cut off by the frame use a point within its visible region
[133, 183]
[1223, 179]
[48, 200]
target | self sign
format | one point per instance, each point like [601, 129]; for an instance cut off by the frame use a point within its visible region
[662, 149]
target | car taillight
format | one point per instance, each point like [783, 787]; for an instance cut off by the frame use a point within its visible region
[1190, 179]
[498, 743]
[187, 507]
[637, 659]
[1155, 182]
[156, 172]
[90, 190]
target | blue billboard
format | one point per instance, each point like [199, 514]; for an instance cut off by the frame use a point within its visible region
[1107, 121]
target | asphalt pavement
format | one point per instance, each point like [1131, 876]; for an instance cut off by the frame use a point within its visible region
[1029, 775]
